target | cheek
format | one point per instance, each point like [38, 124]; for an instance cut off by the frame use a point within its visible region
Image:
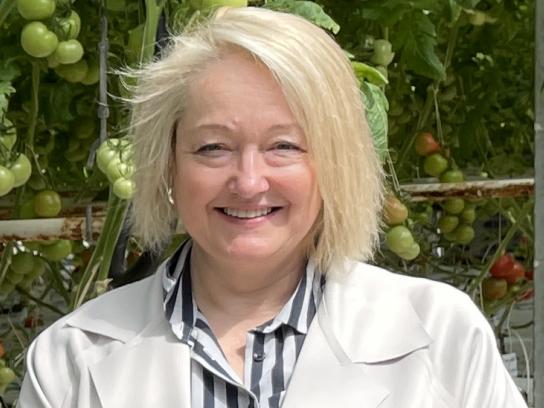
[194, 186]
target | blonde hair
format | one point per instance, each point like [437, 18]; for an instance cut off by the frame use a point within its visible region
[324, 96]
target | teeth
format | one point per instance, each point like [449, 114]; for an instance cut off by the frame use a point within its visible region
[247, 214]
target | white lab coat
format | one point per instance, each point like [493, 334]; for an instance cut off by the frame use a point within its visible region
[378, 340]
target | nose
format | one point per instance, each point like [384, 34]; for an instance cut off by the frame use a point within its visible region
[250, 177]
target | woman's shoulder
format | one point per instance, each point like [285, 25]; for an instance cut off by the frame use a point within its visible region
[438, 305]
[117, 314]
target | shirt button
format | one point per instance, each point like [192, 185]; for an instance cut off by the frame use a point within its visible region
[258, 357]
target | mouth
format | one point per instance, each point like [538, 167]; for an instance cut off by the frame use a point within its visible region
[247, 214]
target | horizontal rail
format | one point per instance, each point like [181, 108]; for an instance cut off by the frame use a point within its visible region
[72, 228]
[469, 189]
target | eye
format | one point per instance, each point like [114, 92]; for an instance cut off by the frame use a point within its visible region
[210, 147]
[286, 146]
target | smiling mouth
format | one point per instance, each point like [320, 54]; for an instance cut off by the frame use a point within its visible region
[248, 214]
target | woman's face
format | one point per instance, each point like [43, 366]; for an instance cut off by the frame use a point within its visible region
[244, 183]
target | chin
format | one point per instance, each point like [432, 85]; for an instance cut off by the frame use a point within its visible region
[251, 249]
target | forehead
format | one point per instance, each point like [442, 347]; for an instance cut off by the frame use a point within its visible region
[236, 87]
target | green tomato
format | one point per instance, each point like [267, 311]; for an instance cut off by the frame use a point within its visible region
[69, 52]
[452, 176]
[7, 180]
[117, 169]
[7, 375]
[36, 182]
[37, 40]
[448, 223]
[73, 72]
[58, 250]
[36, 9]
[52, 61]
[40, 266]
[14, 278]
[123, 188]
[9, 137]
[468, 216]
[411, 253]
[21, 169]
[47, 203]
[93, 75]
[382, 53]
[477, 18]
[77, 155]
[399, 239]
[435, 164]
[464, 234]
[453, 206]
[71, 25]
[104, 155]
[22, 263]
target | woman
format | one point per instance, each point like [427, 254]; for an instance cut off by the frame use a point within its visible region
[251, 133]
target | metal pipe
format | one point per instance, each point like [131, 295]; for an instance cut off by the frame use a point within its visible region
[538, 343]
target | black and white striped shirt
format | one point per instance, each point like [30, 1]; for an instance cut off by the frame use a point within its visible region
[271, 349]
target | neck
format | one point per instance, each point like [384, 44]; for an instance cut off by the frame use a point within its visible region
[238, 292]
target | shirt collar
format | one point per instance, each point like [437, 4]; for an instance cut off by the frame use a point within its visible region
[181, 311]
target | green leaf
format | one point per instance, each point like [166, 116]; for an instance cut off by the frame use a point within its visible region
[5, 91]
[416, 37]
[376, 106]
[371, 74]
[307, 9]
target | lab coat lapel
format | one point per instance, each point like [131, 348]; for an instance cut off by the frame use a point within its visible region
[353, 332]
[149, 366]
[324, 379]
[152, 370]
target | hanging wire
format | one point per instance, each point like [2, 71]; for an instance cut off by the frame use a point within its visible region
[103, 111]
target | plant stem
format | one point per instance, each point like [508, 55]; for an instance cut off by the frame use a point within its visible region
[5, 261]
[101, 257]
[39, 301]
[153, 10]
[34, 105]
[5, 9]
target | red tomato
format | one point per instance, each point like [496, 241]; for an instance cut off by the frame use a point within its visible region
[2, 349]
[502, 266]
[426, 144]
[395, 212]
[529, 274]
[516, 273]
